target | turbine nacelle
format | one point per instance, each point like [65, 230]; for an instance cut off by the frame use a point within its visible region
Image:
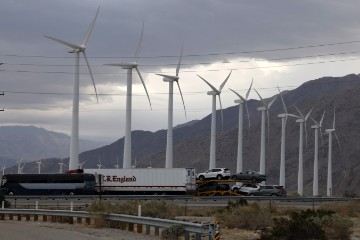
[213, 93]
[130, 65]
[262, 108]
[329, 131]
[168, 78]
[239, 101]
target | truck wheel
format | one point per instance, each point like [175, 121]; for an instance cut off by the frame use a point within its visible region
[219, 177]
[201, 178]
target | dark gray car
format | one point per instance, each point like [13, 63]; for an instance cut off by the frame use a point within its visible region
[249, 175]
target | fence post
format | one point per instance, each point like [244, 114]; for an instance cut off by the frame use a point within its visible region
[3, 204]
[36, 205]
[71, 206]
[139, 210]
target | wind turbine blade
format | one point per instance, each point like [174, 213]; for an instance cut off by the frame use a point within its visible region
[143, 83]
[179, 63]
[316, 123]
[306, 137]
[88, 32]
[334, 119]
[223, 84]
[301, 115]
[292, 115]
[211, 86]
[322, 118]
[337, 139]
[268, 121]
[282, 100]
[307, 115]
[322, 140]
[248, 92]
[247, 111]
[243, 99]
[271, 103]
[137, 53]
[92, 77]
[182, 98]
[66, 43]
[263, 102]
[222, 115]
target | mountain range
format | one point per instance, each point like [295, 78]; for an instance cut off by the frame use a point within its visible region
[32, 143]
[192, 140]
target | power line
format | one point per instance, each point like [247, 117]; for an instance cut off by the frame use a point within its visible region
[192, 71]
[198, 55]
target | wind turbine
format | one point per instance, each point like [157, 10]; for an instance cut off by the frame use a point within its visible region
[301, 120]
[241, 101]
[117, 162]
[77, 49]
[80, 165]
[130, 66]
[264, 109]
[99, 164]
[39, 166]
[61, 163]
[283, 117]
[19, 165]
[169, 142]
[329, 173]
[316, 128]
[215, 92]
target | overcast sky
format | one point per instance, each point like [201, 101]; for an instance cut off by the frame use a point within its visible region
[277, 42]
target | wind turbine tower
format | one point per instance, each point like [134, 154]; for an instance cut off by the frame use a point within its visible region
[215, 92]
[283, 117]
[77, 49]
[316, 128]
[39, 166]
[329, 189]
[169, 139]
[301, 120]
[129, 67]
[241, 101]
[264, 110]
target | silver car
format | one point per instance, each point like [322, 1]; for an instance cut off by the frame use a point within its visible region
[244, 188]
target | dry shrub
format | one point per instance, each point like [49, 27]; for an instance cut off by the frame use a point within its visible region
[156, 209]
[349, 208]
[161, 209]
[249, 217]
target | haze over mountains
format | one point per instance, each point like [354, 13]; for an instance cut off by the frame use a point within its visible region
[192, 140]
[32, 143]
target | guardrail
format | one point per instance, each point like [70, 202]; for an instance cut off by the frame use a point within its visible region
[125, 222]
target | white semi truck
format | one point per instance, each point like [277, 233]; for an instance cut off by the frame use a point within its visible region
[144, 180]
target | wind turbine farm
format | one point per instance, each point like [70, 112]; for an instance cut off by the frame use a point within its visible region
[47, 90]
